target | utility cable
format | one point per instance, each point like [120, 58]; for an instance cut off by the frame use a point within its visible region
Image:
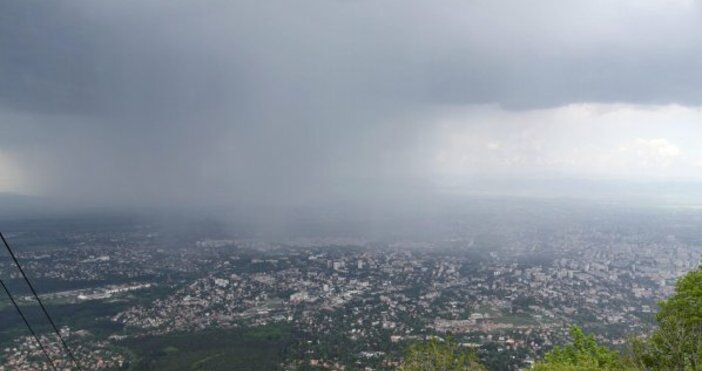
[34, 334]
[34, 292]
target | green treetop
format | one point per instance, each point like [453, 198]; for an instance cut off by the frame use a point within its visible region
[435, 355]
[581, 355]
[677, 343]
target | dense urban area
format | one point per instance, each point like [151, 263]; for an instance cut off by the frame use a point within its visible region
[135, 295]
[350, 185]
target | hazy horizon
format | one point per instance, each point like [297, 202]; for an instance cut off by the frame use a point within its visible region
[162, 104]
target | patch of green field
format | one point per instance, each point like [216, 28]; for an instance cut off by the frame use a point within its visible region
[261, 348]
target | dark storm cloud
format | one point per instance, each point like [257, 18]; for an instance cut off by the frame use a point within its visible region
[192, 102]
[143, 57]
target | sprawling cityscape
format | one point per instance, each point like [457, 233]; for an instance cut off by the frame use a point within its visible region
[123, 296]
[406, 185]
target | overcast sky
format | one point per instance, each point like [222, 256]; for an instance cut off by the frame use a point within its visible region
[278, 101]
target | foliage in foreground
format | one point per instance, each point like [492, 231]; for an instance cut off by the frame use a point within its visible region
[582, 354]
[435, 355]
[677, 343]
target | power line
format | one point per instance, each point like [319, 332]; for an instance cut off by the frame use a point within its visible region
[34, 334]
[34, 292]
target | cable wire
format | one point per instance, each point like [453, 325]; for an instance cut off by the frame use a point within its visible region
[34, 334]
[34, 292]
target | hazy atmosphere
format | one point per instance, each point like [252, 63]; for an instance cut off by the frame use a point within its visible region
[301, 185]
[162, 103]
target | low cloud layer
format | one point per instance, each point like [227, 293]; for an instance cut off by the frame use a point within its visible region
[275, 102]
[631, 142]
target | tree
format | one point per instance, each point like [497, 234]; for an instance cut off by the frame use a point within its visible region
[677, 343]
[582, 354]
[435, 355]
